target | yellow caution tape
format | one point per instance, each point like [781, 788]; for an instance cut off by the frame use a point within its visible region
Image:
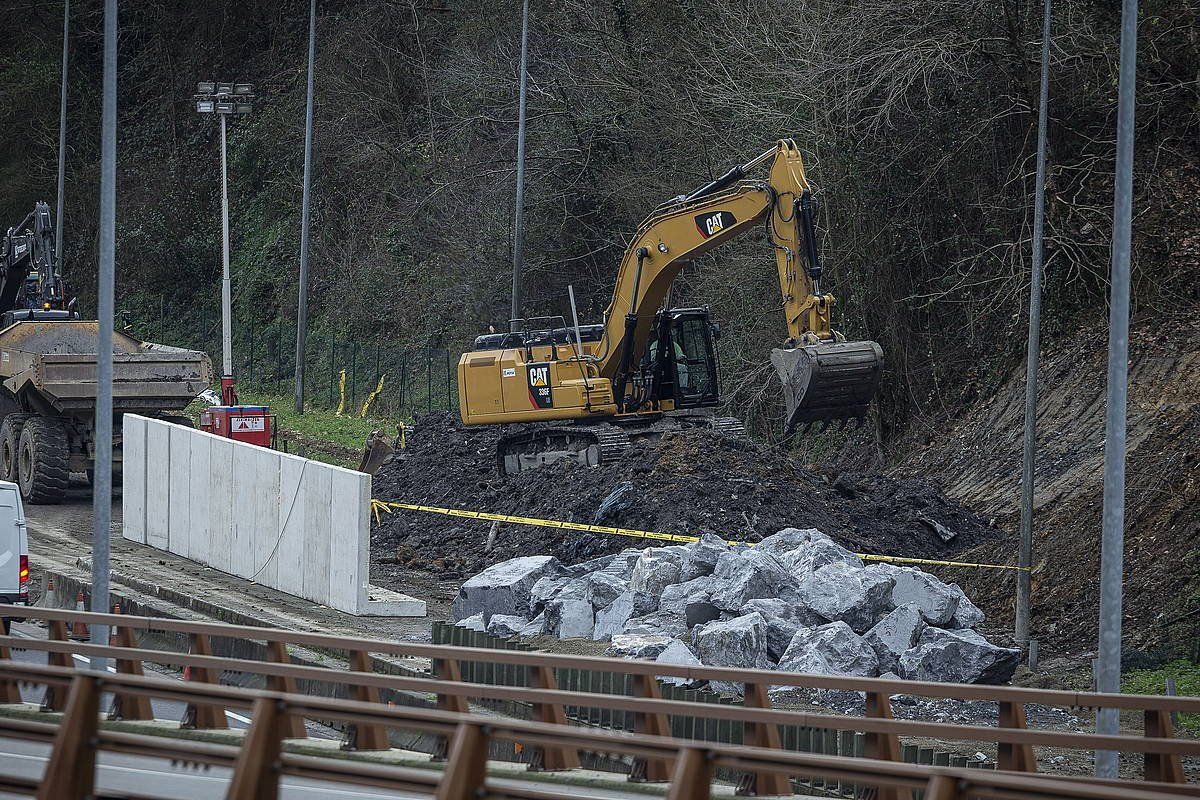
[366, 406]
[378, 505]
[341, 394]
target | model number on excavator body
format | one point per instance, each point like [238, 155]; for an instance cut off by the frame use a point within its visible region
[539, 385]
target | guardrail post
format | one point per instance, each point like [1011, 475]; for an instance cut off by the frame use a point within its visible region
[10, 691]
[550, 758]
[1164, 767]
[448, 669]
[693, 776]
[128, 705]
[466, 769]
[942, 787]
[883, 746]
[54, 700]
[256, 771]
[649, 770]
[71, 769]
[202, 715]
[277, 652]
[1016, 757]
[766, 736]
[365, 737]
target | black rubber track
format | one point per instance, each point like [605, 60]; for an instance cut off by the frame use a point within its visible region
[49, 474]
[10, 431]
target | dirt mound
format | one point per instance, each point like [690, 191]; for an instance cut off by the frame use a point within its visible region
[979, 462]
[690, 482]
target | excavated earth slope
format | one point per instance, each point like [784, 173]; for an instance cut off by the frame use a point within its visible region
[689, 483]
[979, 464]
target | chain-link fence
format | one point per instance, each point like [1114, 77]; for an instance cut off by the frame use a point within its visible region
[340, 372]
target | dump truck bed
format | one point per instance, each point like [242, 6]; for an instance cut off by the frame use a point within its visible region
[57, 361]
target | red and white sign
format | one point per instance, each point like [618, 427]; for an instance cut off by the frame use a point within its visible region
[247, 424]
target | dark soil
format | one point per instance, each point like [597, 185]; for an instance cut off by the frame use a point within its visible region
[689, 483]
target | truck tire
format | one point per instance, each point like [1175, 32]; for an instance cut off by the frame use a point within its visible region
[10, 441]
[42, 465]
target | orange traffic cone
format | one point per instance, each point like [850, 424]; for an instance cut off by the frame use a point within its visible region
[78, 629]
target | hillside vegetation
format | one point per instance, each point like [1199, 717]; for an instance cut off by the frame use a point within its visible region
[915, 118]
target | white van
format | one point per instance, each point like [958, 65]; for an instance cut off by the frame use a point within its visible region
[14, 548]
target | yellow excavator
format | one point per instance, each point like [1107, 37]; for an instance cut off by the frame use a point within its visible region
[585, 392]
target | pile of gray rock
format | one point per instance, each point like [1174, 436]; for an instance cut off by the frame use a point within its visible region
[797, 601]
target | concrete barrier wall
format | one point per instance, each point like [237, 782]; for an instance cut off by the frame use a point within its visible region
[296, 525]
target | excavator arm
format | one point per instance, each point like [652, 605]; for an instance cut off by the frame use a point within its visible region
[29, 274]
[823, 376]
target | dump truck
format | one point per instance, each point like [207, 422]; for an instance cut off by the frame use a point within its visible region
[48, 371]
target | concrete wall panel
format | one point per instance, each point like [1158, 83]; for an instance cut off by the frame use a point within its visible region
[296, 525]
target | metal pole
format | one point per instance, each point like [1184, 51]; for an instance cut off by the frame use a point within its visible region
[62, 141]
[102, 485]
[1035, 320]
[519, 222]
[1108, 662]
[226, 294]
[302, 302]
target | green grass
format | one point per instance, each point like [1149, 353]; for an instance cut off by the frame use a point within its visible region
[325, 436]
[1154, 681]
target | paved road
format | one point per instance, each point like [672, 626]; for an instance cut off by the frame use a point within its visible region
[154, 777]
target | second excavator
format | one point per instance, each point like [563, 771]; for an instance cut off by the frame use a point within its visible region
[584, 392]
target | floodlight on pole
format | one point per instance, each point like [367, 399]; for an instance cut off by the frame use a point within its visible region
[214, 97]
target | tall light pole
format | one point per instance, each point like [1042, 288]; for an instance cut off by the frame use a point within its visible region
[519, 222]
[1112, 545]
[225, 99]
[1025, 557]
[302, 303]
[102, 486]
[62, 140]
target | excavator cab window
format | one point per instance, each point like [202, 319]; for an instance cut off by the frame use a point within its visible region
[694, 360]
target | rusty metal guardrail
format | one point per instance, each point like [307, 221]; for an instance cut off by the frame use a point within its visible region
[262, 759]
[1161, 752]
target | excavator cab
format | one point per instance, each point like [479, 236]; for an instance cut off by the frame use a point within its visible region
[680, 364]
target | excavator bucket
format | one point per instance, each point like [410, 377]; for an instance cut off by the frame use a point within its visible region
[829, 381]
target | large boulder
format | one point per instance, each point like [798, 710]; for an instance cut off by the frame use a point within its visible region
[678, 596]
[506, 625]
[961, 656]
[661, 623]
[569, 618]
[895, 634]
[833, 649]
[472, 623]
[739, 642]
[702, 556]
[546, 589]
[585, 568]
[787, 541]
[638, 645]
[504, 588]
[820, 551]
[783, 620]
[603, 588]
[841, 592]
[623, 562]
[750, 575]
[611, 620]
[655, 570]
[678, 654]
[967, 615]
[937, 601]
[535, 626]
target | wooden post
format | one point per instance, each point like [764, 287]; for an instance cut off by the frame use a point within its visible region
[767, 736]
[1015, 757]
[10, 691]
[256, 771]
[652, 770]
[1163, 767]
[448, 670]
[550, 758]
[71, 769]
[293, 726]
[365, 737]
[128, 705]
[466, 769]
[203, 716]
[692, 779]
[54, 699]
[883, 746]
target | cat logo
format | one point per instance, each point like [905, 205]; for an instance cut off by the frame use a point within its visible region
[539, 385]
[714, 223]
